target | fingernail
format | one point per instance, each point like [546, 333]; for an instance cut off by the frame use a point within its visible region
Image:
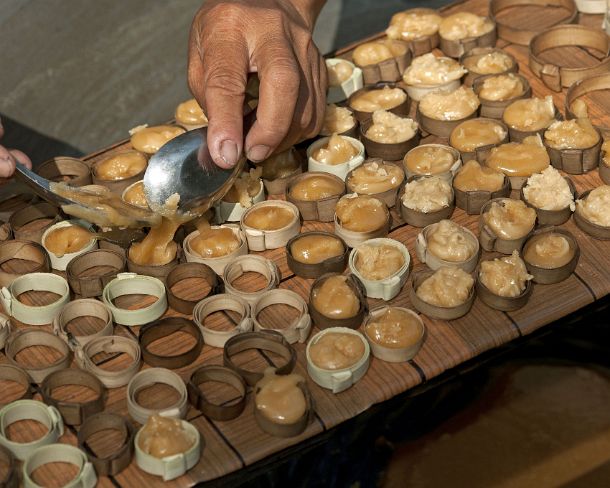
[258, 153]
[6, 168]
[228, 152]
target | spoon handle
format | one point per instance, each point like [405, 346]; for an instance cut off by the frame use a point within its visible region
[39, 185]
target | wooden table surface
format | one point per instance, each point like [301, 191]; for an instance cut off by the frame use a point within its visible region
[232, 445]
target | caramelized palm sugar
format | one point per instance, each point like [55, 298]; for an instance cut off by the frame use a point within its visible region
[506, 276]
[336, 350]
[245, 188]
[377, 51]
[428, 194]
[158, 247]
[530, 114]
[134, 195]
[451, 242]
[337, 120]
[120, 166]
[316, 248]
[162, 437]
[389, 128]
[66, 240]
[447, 287]
[474, 177]
[596, 206]
[279, 398]
[335, 299]
[378, 262]
[189, 113]
[548, 190]
[464, 25]
[214, 242]
[429, 160]
[375, 177]
[500, 88]
[361, 213]
[429, 69]
[316, 188]
[395, 328]
[571, 134]
[269, 217]
[339, 73]
[337, 150]
[548, 250]
[475, 133]
[455, 105]
[279, 165]
[97, 204]
[489, 63]
[520, 158]
[413, 24]
[150, 139]
[385, 98]
[510, 219]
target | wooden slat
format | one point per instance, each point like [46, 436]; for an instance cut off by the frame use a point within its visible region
[234, 444]
[592, 266]
[559, 300]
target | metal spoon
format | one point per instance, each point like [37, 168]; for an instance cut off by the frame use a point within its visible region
[184, 166]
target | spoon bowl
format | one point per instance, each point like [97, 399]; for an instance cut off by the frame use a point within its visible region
[184, 166]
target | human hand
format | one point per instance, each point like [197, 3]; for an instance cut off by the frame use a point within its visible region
[8, 158]
[229, 40]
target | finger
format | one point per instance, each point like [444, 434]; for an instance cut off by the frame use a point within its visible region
[21, 157]
[318, 95]
[1, 129]
[218, 70]
[7, 163]
[322, 89]
[309, 112]
[195, 66]
[280, 80]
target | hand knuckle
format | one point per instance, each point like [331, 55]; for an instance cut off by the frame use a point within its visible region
[223, 13]
[225, 79]
[284, 75]
[273, 130]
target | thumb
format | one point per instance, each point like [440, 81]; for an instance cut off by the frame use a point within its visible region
[21, 157]
[7, 163]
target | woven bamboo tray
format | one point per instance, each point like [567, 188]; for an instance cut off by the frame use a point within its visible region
[232, 445]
